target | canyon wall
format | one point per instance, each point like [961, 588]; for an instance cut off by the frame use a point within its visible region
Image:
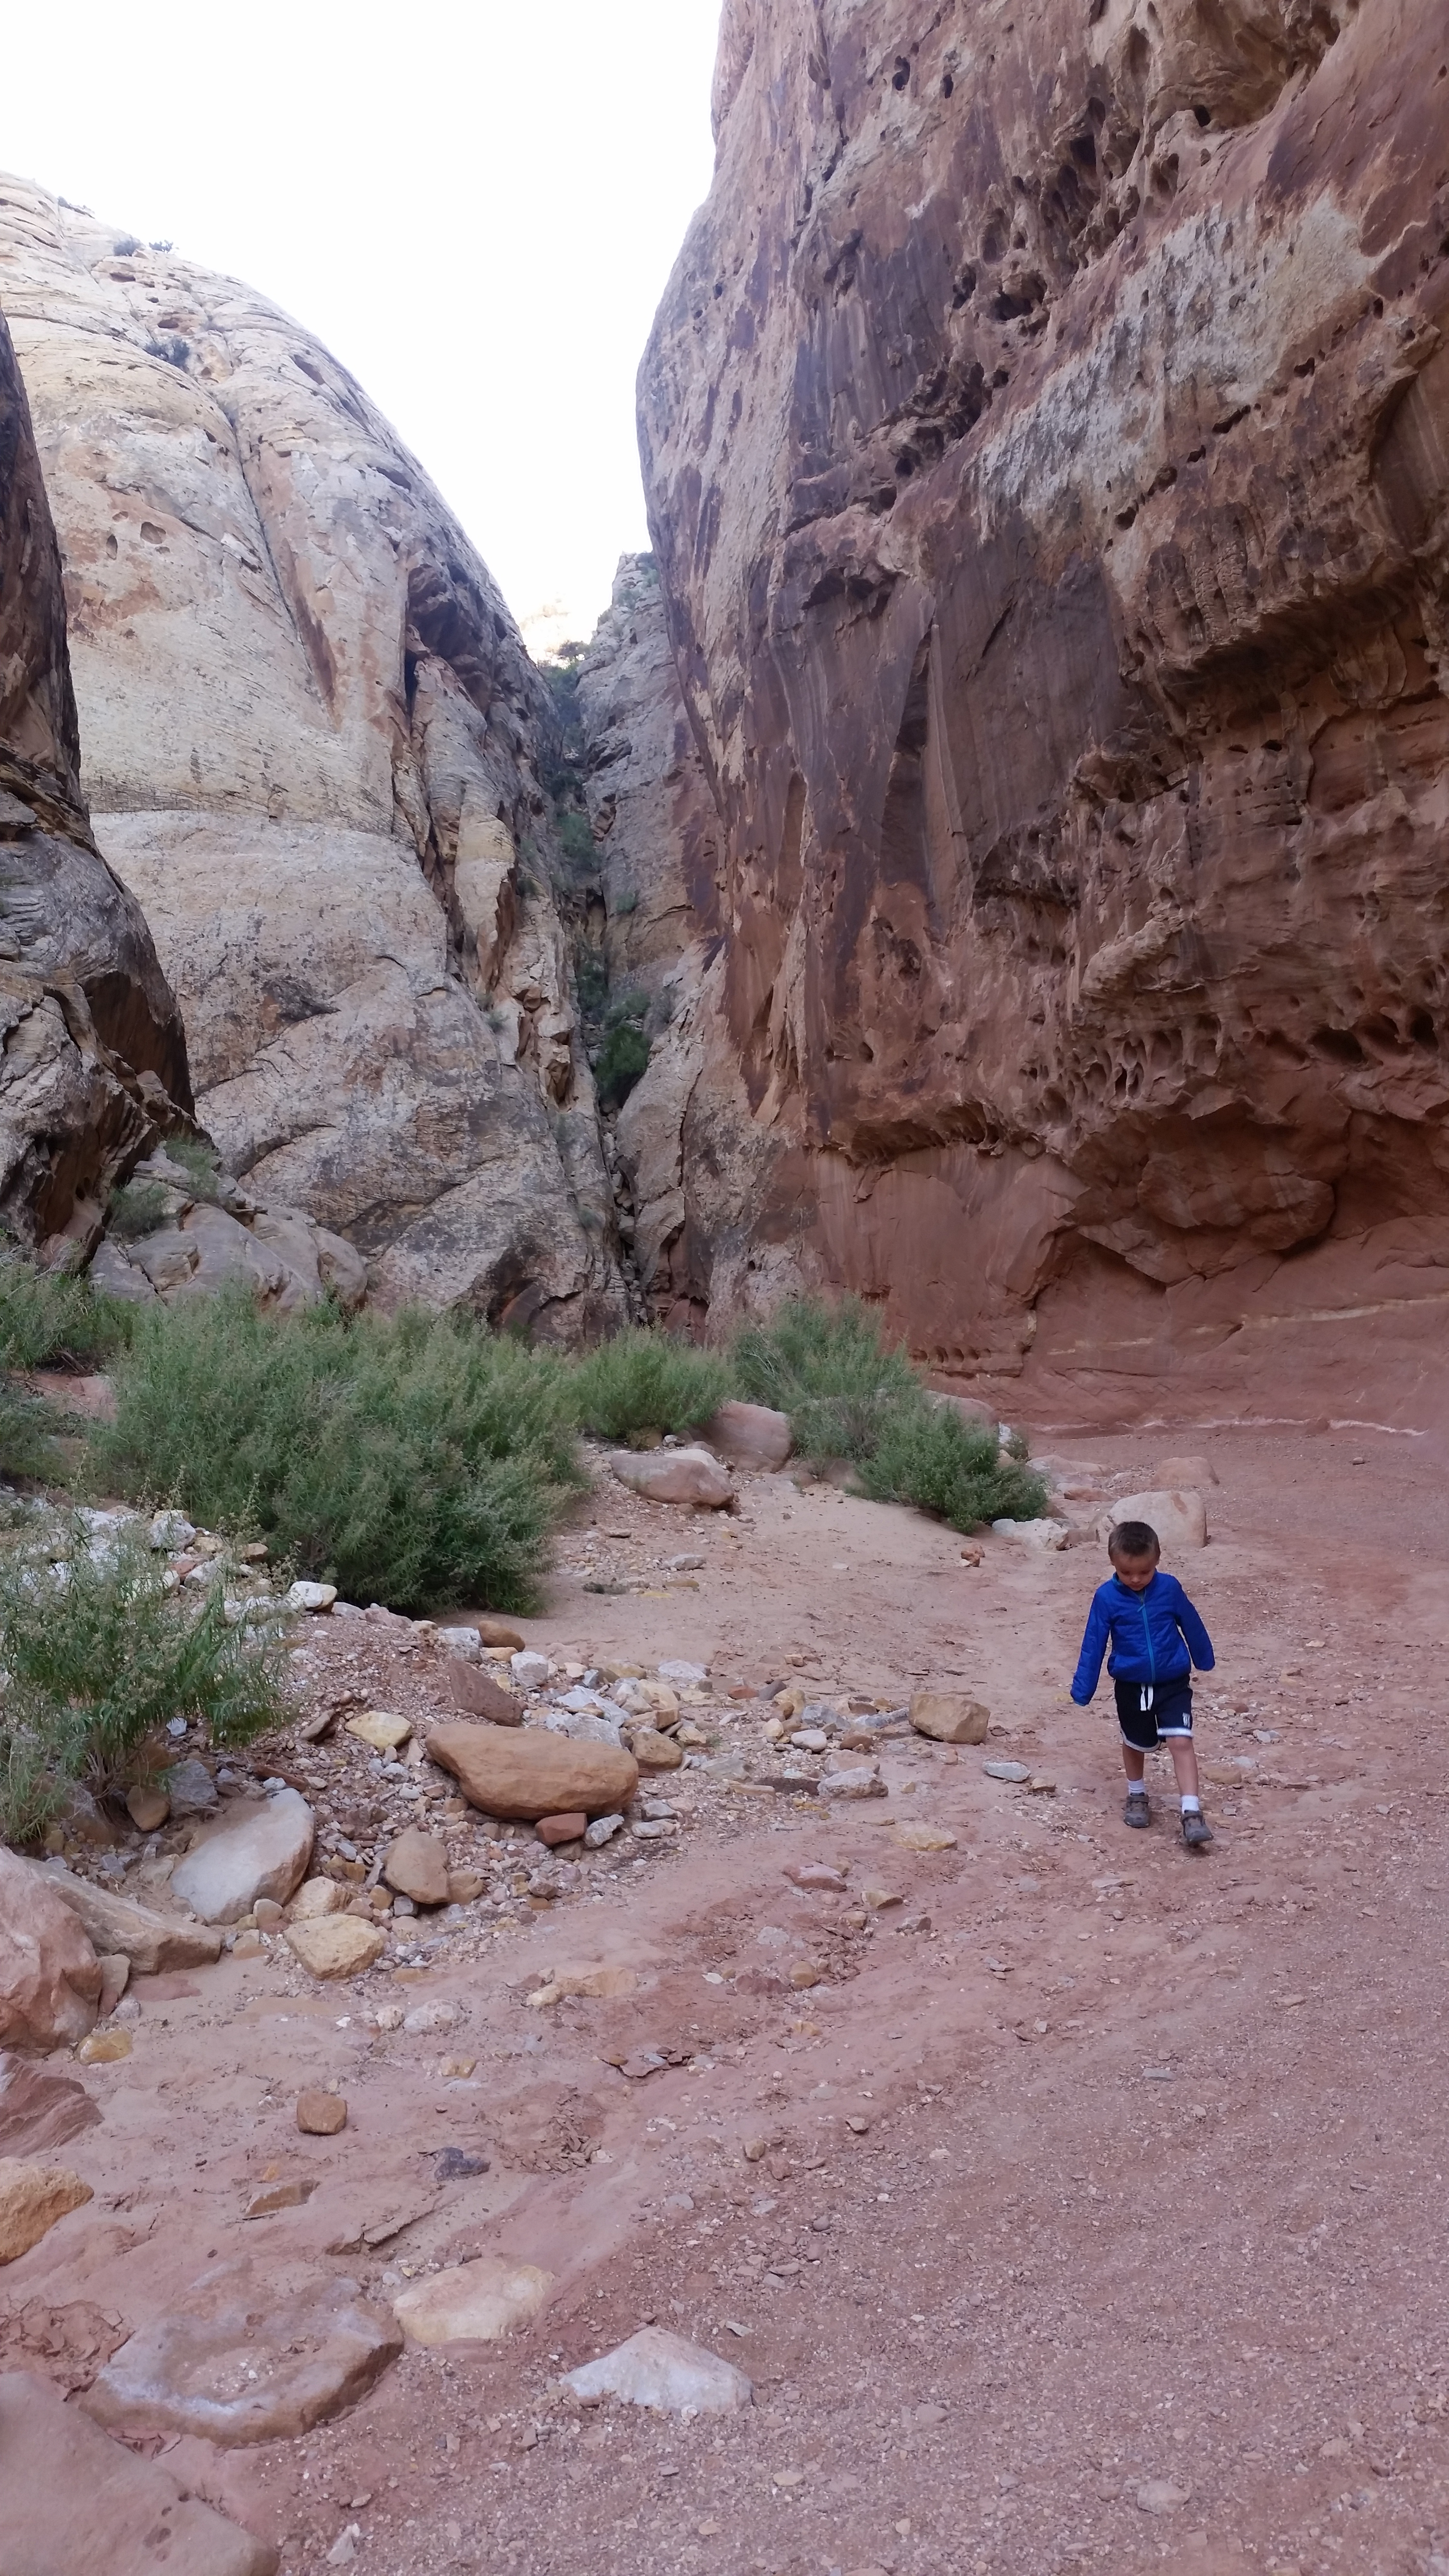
[1046, 436]
[312, 746]
[92, 1055]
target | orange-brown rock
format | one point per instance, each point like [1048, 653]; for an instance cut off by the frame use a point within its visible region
[525, 1772]
[1046, 432]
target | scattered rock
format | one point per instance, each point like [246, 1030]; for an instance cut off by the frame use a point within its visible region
[815, 1874]
[562, 1829]
[115, 1970]
[104, 2048]
[147, 1806]
[465, 1886]
[278, 2196]
[529, 1670]
[653, 1751]
[524, 1773]
[924, 1838]
[1159, 2496]
[1178, 1514]
[50, 1978]
[479, 1695]
[417, 1866]
[1015, 1772]
[806, 1973]
[32, 2198]
[40, 2111]
[601, 1831]
[170, 1532]
[693, 1478]
[85, 2501]
[236, 2362]
[1044, 1534]
[472, 2302]
[268, 1913]
[754, 1436]
[315, 1898]
[1041, 1784]
[662, 2371]
[191, 1789]
[464, 1644]
[438, 2015]
[1175, 1473]
[880, 1899]
[335, 1946]
[379, 1728]
[153, 1943]
[310, 1596]
[950, 1717]
[498, 1632]
[864, 1782]
[321, 2115]
[254, 1851]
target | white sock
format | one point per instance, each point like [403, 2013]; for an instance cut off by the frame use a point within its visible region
[1191, 1806]
[1136, 1788]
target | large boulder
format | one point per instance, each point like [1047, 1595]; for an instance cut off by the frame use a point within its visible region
[71, 2498]
[253, 1850]
[750, 1435]
[239, 2358]
[1179, 1516]
[525, 1772]
[691, 1477]
[50, 1977]
[119, 1928]
[313, 742]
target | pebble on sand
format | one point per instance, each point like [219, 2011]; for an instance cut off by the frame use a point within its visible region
[321, 2115]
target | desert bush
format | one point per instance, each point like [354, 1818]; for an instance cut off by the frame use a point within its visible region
[576, 840]
[929, 1456]
[411, 1459]
[646, 1381]
[137, 1208]
[201, 1164]
[830, 1370]
[49, 1319]
[98, 1655]
[622, 1060]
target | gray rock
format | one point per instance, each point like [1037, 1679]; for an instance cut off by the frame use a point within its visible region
[238, 2362]
[662, 2371]
[114, 1924]
[1015, 1772]
[601, 1831]
[191, 1788]
[254, 1851]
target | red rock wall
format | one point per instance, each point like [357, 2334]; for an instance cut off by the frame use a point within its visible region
[1046, 432]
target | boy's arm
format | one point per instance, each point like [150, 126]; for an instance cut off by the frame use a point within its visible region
[1094, 1646]
[1199, 1643]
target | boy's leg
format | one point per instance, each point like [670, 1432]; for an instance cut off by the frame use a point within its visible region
[1134, 1724]
[1195, 1828]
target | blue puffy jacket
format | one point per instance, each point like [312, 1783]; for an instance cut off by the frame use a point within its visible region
[1156, 1636]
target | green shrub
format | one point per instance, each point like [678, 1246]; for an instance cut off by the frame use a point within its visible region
[98, 1655]
[647, 1381]
[411, 1459]
[576, 840]
[929, 1456]
[137, 1209]
[622, 1060]
[829, 1369]
[27, 1432]
[49, 1319]
[201, 1164]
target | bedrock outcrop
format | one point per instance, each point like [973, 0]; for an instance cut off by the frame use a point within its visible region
[92, 1055]
[312, 739]
[1046, 435]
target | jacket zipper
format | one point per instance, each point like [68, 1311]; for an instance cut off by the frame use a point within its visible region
[1147, 1632]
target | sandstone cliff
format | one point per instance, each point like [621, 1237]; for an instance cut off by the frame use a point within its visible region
[1046, 432]
[92, 1057]
[311, 744]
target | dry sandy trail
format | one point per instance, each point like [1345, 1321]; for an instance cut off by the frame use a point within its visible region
[1149, 2200]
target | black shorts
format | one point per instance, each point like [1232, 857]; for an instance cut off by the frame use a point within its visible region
[1167, 1712]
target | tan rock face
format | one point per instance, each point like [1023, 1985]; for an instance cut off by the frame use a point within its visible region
[335, 1945]
[1082, 796]
[32, 2198]
[313, 733]
[243, 2359]
[50, 1977]
[92, 1056]
[86, 2501]
[525, 1772]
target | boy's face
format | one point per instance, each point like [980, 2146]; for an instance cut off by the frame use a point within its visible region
[1136, 1571]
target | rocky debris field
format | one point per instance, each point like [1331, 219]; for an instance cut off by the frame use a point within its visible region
[929, 2177]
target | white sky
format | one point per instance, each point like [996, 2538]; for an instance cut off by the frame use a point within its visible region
[473, 203]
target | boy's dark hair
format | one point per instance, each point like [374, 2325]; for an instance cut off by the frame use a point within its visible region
[1133, 1538]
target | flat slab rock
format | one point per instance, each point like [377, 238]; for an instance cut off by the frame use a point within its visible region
[40, 2111]
[70, 2498]
[523, 1773]
[254, 1851]
[152, 1942]
[662, 2371]
[50, 1977]
[237, 2364]
[472, 2302]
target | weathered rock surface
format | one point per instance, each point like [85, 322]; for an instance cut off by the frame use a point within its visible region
[239, 2363]
[473, 2302]
[690, 1477]
[285, 1259]
[525, 1772]
[662, 2371]
[92, 1057]
[32, 2198]
[313, 736]
[479, 1695]
[253, 1851]
[335, 1945]
[151, 1942]
[72, 2498]
[1179, 1517]
[40, 2111]
[50, 1977]
[1046, 432]
[950, 1717]
[749, 1435]
[417, 1866]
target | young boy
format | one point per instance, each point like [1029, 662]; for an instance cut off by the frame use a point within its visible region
[1156, 1638]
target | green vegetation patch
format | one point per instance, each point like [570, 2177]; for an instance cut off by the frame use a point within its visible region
[647, 1381]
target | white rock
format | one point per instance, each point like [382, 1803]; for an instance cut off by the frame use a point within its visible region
[257, 1851]
[171, 1531]
[529, 1670]
[465, 1643]
[311, 1596]
[864, 1783]
[472, 2302]
[602, 1830]
[1177, 1513]
[1033, 1533]
[662, 2371]
[584, 1726]
[682, 1675]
